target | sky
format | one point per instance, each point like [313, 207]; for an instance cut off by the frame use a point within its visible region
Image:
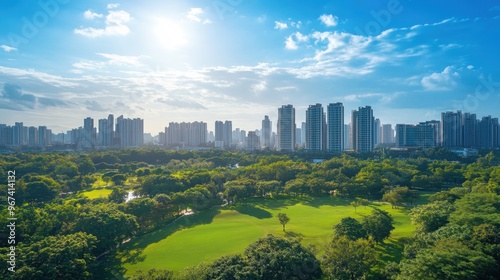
[184, 60]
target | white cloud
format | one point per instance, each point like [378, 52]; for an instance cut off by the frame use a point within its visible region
[292, 40]
[113, 6]
[329, 20]
[195, 14]
[445, 80]
[115, 24]
[88, 14]
[280, 25]
[470, 67]
[7, 48]
[297, 24]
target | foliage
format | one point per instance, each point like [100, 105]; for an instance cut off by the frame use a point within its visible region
[110, 225]
[277, 258]
[378, 225]
[284, 219]
[348, 259]
[430, 217]
[57, 257]
[449, 260]
[349, 228]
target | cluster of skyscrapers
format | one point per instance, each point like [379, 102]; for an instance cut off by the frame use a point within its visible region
[323, 130]
[125, 133]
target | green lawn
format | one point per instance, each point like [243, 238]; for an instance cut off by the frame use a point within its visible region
[219, 232]
[97, 193]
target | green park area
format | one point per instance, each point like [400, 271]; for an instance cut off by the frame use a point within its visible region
[98, 193]
[229, 230]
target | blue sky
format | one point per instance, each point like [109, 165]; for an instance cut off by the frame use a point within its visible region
[164, 61]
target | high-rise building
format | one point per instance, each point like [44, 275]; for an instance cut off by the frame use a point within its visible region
[253, 142]
[129, 132]
[266, 132]
[376, 132]
[469, 131]
[298, 137]
[419, 135]
[286, 128]
[219, 134]
[362, 129]
[335, 124]
[387, 135]
[227, 134]
[488, 133]
[43, 136]
[315, 128]
[32, 136]
[452, 129]
[88, 136]
[347, 137]
[106, 132]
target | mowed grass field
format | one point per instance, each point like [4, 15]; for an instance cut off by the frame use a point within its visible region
[229, 230]
[97, 193]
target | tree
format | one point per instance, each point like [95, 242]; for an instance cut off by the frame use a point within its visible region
[378, 225]
[449, 260]
[429, 217]
[278, 258]
[230, 267]
[110, 225]
[118, 179]
[118, 195]
[348, 259]
[283, 218]
[349, 228]
[58, 257]
[355, 204]
[39, 192]
[363, 201]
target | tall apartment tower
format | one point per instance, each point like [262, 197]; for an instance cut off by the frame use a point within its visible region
[452, 129]
[266, 132]
[89, 133]
[227, 134]
[362, 129]
[335, 127]
[469, 122]
[315, 128]
[286, 128]
[387, 135]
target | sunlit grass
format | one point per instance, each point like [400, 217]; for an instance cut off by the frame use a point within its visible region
[220, 232]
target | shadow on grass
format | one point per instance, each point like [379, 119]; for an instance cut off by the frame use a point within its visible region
[251, 210]
[280, 201]
[132, 252]
[292, 234]
[391, 250]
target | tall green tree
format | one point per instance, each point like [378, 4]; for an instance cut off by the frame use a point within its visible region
[378, 225]
[58, 257]
[110, 225]
[348, 259]
[284, 219]
[449, 260]
[349, 228]
[277, 258]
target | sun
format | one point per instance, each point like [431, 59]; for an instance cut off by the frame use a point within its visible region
[170, 34]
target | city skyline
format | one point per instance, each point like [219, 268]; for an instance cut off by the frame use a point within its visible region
[238, 60]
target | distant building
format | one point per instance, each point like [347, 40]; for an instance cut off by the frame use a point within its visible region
[362, 129]
[286, 128]
[335, 127]
[315, 128]
[266, 132]
[253, 141]
[419, 135]
[452, 129]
